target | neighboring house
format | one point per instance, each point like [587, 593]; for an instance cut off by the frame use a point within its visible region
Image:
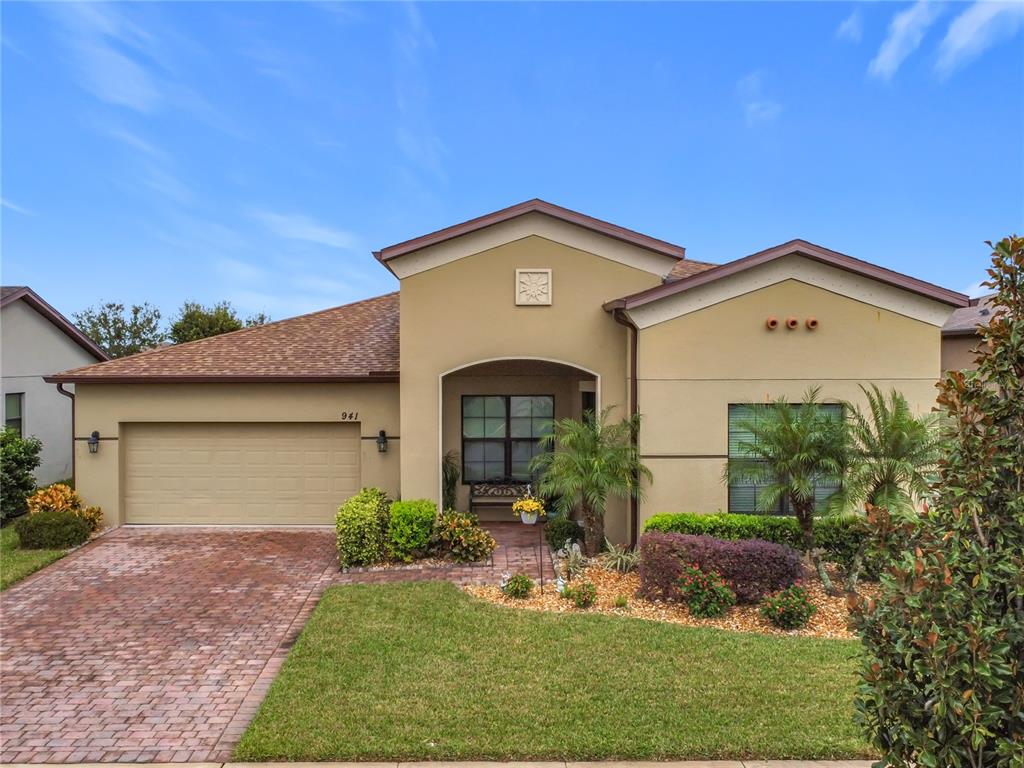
[960, 334]
[507, 320]
[37, 341]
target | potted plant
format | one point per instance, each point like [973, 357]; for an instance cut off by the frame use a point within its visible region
[528, 508]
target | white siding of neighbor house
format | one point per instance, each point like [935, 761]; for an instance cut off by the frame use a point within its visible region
[32, 347]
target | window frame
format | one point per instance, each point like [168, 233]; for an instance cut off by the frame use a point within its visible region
[506, 442]
[781, 509]
[21, 411]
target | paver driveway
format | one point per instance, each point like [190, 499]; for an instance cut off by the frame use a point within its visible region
[153, 644]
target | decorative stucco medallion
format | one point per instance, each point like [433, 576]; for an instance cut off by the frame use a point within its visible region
[533, 287]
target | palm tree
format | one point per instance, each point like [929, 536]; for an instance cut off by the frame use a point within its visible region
[892, 454]
[591, 461]
[793, 448]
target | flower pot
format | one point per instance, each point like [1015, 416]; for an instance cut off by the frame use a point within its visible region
[528, 517]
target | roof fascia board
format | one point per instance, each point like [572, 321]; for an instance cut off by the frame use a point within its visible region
[520, 227]
[58, 320]
[797, 267]
[374, 378]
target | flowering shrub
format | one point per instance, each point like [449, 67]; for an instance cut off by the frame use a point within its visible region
[459, 537]
[582, 594]
[518, 586]
[528, 505]
[705, 592]
[61, 498]
[752, 568]
[789, 609]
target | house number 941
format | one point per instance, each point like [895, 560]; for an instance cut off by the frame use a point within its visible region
[350, 415]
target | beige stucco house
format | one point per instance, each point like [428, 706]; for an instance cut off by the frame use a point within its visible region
[500, 324]
[960, 336]
[37, 341]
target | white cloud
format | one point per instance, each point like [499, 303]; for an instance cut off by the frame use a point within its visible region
[297, 226]
[977, 289]
[906, 31]
[5, 203]
[757, 107]
[979, 27]
[852, 27]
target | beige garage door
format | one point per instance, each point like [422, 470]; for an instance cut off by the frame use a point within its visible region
[238, 474]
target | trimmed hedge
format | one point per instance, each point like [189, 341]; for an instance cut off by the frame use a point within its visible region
[361, 525]
[839, 536]
[52, 529]
[752, 568]
[409, 528]
[561, 531]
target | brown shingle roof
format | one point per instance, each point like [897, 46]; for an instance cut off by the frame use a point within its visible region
[965, 321]
[355, 342]
[687, 268]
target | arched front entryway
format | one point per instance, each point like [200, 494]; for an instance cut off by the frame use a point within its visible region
[492, 413]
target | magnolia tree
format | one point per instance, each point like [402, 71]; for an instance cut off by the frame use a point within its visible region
[943, 672]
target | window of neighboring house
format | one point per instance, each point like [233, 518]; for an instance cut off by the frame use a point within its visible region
[743, 497]
[14, 412]
[501, 433]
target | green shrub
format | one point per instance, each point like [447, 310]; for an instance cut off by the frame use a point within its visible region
[839, 536]
[518, 586]
[52, 530]
[583, 594]
[361, 526]
[19, 457]
[459, 537]
[705, 592]
[561, 531]
[410, 524]
[790, 608]
[621, 601]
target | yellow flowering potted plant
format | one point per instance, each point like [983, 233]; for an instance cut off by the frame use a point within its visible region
[528, 508]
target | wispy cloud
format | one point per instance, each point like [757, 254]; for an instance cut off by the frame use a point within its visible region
[757, 106]
[852, 27]
[5, 203]
[414, 131]
[977, 289]
[297, 226]
[906, 31]
[981, 26]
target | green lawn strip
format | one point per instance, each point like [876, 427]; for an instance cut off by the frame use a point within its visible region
[423, 671]
[16, 564]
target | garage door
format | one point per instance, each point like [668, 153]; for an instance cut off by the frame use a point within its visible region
[238, 474]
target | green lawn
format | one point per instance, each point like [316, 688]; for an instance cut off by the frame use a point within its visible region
[418, 671]
[16, 564]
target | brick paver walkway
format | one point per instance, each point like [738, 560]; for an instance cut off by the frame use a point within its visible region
[158, 644]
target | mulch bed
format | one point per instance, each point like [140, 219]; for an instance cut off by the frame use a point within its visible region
[831, 619]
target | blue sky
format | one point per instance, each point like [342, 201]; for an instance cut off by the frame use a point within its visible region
[258, 152]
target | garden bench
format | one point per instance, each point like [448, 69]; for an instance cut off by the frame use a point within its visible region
[495, 493]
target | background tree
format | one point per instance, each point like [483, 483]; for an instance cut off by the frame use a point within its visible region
[591, 461]
[19, 458]
[793, 447]
[120, 332]
[943, 670]
[194, 321]
[893, 457]
[450, 471]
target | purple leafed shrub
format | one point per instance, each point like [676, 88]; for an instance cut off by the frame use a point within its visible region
[751, 567]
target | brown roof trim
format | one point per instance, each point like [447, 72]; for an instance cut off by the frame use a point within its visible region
[372, 378]
[70, 330]
[961, 332]
[801, 248]
[532, 206]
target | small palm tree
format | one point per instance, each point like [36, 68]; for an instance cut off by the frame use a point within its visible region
[892, 454]
[793, 447]
[591, 461]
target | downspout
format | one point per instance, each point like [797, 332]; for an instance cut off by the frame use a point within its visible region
[634, 410]
[71, 395]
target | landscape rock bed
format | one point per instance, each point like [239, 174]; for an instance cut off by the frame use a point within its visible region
[830, 621]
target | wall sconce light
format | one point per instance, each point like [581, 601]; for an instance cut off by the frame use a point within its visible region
[94, 442]
[382, 442]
